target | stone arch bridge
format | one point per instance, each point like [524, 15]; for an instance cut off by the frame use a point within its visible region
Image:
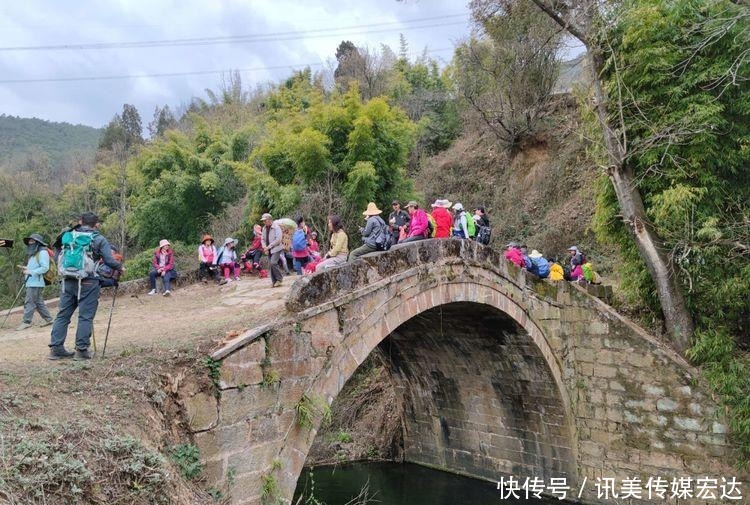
[501, 373]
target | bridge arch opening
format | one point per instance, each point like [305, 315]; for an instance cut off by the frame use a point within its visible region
[482, 395]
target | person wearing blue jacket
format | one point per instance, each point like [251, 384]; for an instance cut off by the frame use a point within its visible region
[536, 264]
[36, 266]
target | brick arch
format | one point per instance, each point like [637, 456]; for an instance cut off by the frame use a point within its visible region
[360, 340]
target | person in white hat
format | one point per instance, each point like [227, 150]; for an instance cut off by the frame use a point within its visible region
[537, 264]
[460, 222]
[374, 234]
[226, 258]
[162, 267]
[443, 218]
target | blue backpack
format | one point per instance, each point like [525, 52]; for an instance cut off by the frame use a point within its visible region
[299, 241]
[540, 267]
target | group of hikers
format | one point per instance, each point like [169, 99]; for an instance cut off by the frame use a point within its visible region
[86, 262]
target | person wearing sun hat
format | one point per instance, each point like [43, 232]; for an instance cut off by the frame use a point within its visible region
[443, 219]
[537, 264]
[162, 267]
[207, 258]
[37, 265]
[227, 261]
[374, 233]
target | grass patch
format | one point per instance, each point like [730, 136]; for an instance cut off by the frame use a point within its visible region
[308, 407]
[187, 458]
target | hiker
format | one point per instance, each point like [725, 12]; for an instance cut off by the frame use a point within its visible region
[484, 230]
[514, 255]
[81, 249]
[443, 219]
[312, 245]
[418, 223]
[300, 252]
[374, 234]
[339, 250]
[207, 257]
[577, 259]
[397, 221]
[227, 261]
[461, 222]
[37, 265]
[556, 271]
[537, 264]
[251, 259]
[272, 246]
[162, 267]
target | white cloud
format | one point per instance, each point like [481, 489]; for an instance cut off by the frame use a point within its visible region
[50, 22]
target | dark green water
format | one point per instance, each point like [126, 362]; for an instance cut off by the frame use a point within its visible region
[399, 484]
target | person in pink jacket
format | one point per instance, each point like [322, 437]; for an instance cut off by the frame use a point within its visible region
[418, 223]
[514, 255]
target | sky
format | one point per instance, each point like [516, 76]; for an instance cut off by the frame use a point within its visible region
[264, 38]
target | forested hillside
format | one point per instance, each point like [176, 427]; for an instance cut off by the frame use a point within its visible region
[21, 137]
[644, 163]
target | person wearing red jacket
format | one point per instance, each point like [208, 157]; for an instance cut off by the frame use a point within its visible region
[251, 258]
[443, 218]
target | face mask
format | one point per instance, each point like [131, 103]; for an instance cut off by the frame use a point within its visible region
[32, 249]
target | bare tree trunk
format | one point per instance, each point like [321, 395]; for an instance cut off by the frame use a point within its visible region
[677, 318]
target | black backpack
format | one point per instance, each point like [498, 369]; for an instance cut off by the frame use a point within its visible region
[484, 234]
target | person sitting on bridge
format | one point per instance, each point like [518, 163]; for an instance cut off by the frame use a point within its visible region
[537, 264]
[339, 250]
[418, 223]
[577, 259]
[443, 218]
[300, 246]
[162, 267]
[374, 234]
[514, 255]
[556, 271]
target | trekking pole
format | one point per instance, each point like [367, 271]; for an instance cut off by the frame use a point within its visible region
[23, 285]
[93, 335]
[109, 323]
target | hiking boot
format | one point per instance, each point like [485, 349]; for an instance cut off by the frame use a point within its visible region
[222, 282]
[205, 281]
[237, 278]
[23, 326]
[82, 354]
[167, 293]
[152, 292]
[60, 352]
[46, 323]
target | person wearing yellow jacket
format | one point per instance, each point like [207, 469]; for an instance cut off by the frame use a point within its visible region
[556, 272]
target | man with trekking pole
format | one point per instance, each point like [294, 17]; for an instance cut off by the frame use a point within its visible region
[82, 249]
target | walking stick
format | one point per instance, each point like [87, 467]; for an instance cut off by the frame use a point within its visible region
[23, 285]
[109, 324]
[93, 335]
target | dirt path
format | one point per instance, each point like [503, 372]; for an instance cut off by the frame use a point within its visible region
[192, 313]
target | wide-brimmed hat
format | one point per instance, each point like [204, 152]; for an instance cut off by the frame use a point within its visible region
[266, 217]
[229, 240]
[458, 206]
[511, 245]
[412, 203]
[372, 210]
[36, 237]
[535, 254]
[446, 204]
[573, 248]
[163, 243]
[207, 237]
